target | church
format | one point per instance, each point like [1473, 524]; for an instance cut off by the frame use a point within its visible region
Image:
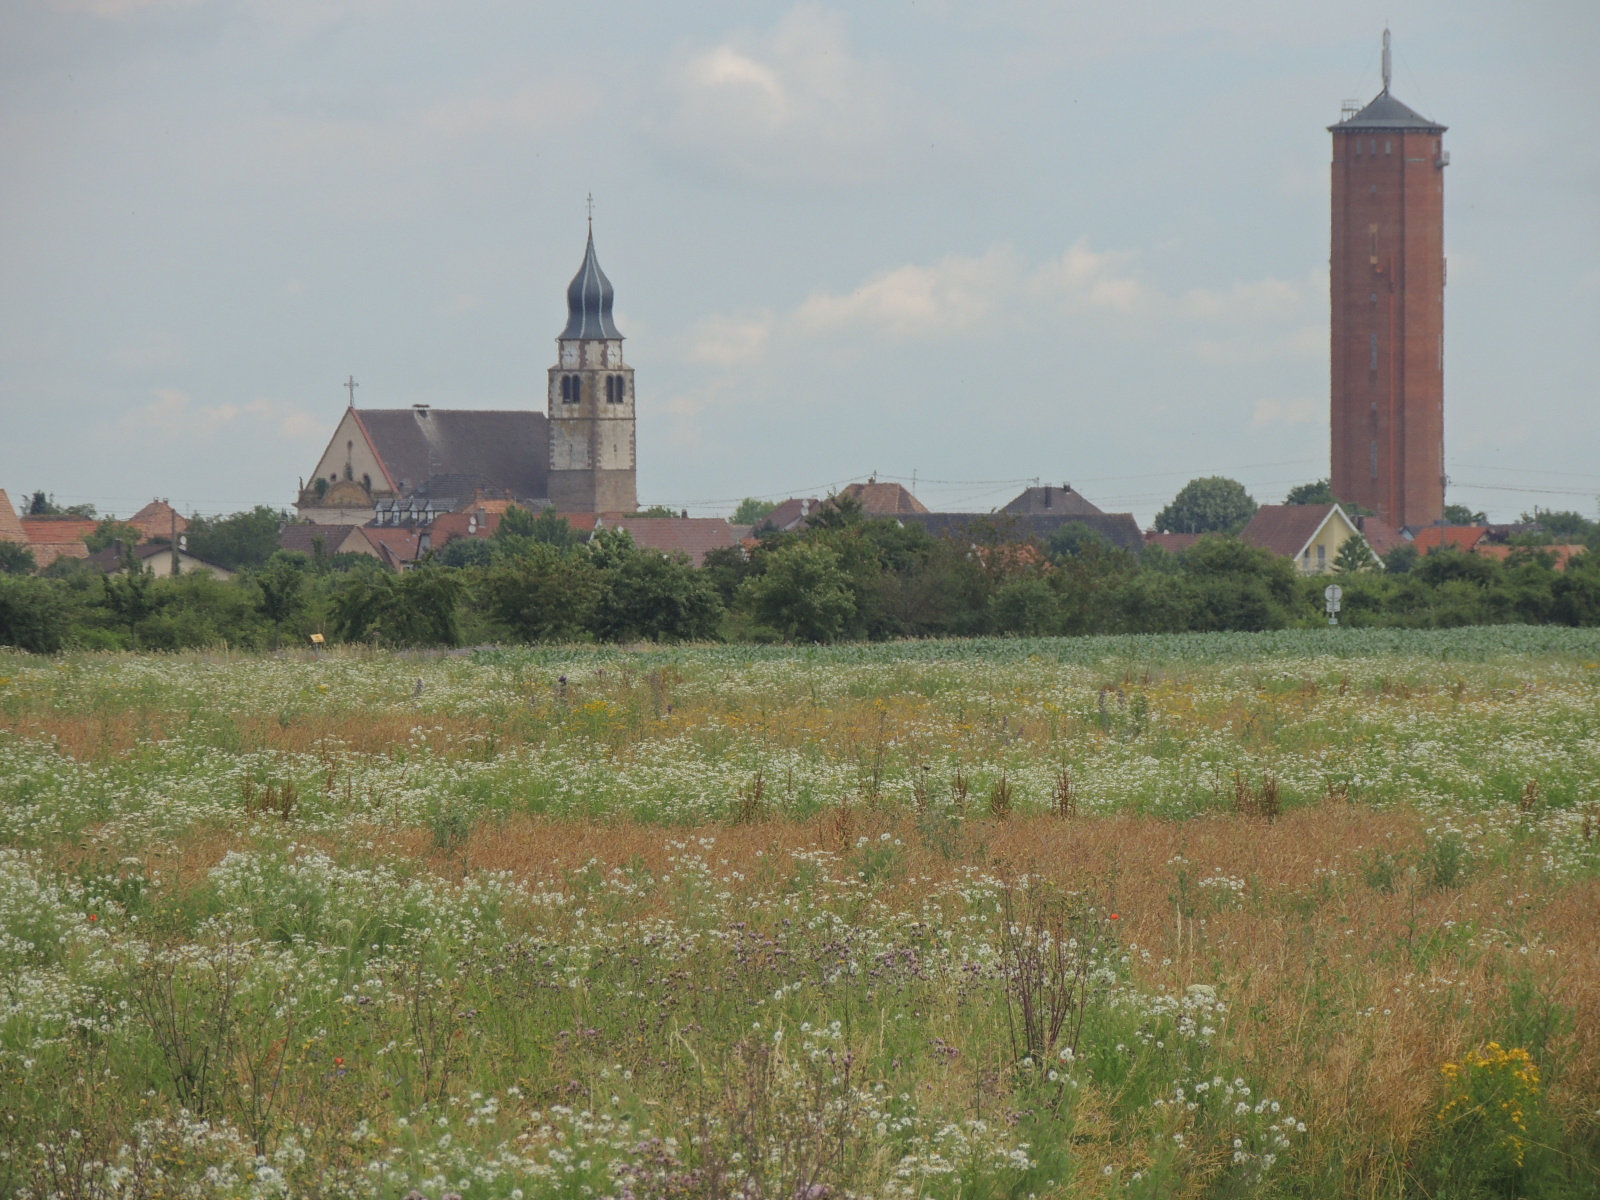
[405, 466]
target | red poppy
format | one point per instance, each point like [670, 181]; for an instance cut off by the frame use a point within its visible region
[1116, 916]
[94, 916]
[338, 1062]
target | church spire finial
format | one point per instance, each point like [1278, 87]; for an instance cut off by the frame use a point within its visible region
[590, 201]
[1388, 70]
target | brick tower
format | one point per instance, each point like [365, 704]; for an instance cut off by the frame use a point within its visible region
[591, 403]
[1386, 275]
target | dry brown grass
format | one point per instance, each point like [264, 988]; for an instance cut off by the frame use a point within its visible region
[1302, 959]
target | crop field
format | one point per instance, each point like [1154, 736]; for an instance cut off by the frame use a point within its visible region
[1310, 914]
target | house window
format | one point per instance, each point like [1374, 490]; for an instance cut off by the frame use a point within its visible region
[1388, 146]
[1374, 352]
[1322, 557]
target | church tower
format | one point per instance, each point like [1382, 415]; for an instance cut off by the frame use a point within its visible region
[592, 463]
[1386, 276]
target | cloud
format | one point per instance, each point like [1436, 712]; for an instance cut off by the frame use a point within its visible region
[1298, 411]
[965, 294]
[955, 295]
[796, 107]
[728, 341]
[1085, 278]
[173, 414]
[1258, 299]
[1257, 344]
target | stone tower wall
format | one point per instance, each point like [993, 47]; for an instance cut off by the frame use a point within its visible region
[593, 465]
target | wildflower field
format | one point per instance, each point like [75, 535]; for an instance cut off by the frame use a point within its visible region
[1307, 914]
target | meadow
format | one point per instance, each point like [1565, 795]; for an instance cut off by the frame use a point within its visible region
[1300, 914]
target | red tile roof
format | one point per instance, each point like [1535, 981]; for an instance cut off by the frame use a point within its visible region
[448, 526]
[11, 529]
[396, 545]
[1380, 535]
[883, 499]
[157, 518]
[693, 536]
[58, 531]
[1462, 537]
[1563, 554]
[1174, 543]
[791, 514]
[1285, 529]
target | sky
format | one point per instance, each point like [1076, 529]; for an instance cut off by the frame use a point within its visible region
[972, 245]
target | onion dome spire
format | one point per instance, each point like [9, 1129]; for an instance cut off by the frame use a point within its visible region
[589, 298]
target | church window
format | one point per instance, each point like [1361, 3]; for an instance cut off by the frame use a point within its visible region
[1388, 146]
[366, 482]
[1374, 460]
[1374, 352]
[571, 389]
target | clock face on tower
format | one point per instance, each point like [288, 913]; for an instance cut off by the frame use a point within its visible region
[569, 354]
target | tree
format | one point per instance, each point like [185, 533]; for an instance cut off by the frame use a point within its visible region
[465, 552]
[1354, 557]
[418, 608]
[1211, 504]
[656, 510]
[32, 614]
[112, 530]
[282, 584]
[17, 559]
[1401, 560]
[1073, 539]
[520, 528]
[659, 597]
[1239, 586]
[1025, 605]
[40, 505]
[1564, 527]
[804, 593]
[752, 511]
[542, 595]
[1321, 492]
[129, 595]
[610, 548]
[244, 539]
[1460, 514]
[726, 567]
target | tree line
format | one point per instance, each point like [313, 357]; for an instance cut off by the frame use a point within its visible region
[844, 576]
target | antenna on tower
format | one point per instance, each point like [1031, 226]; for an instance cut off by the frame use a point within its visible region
[1387, 68]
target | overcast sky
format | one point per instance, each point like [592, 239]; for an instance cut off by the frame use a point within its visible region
[974, 242]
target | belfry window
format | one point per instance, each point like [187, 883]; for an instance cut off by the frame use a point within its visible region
[571, 389]
[616, 389]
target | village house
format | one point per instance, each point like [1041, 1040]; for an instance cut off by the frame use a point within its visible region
[1311, 535]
